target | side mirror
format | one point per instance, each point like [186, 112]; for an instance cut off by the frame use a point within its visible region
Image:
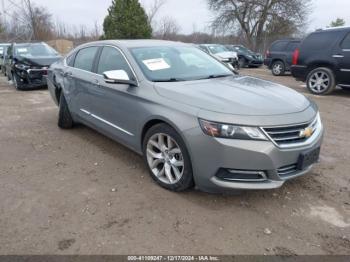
[118, 77]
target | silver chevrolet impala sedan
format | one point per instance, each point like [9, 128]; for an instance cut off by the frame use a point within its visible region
[195, 122]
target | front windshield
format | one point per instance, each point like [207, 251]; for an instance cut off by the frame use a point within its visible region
[215, 49]
[35, 50]
[165, 64]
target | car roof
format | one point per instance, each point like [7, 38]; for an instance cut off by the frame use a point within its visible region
[338, 28]
[288, 40]
[138, 43]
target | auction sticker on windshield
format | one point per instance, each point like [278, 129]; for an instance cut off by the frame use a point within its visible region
[156, 64]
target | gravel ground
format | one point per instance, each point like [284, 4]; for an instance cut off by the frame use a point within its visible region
[78, 192]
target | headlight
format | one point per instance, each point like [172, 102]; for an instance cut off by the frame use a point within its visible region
[231, 131]
[22, 66]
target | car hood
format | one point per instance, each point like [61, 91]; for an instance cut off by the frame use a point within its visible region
[38, 61]
[236, 95]
[225, 55]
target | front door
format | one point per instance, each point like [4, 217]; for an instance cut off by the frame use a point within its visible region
[112, 105]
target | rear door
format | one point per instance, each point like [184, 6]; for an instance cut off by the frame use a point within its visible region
[80, 81]
[342, 54]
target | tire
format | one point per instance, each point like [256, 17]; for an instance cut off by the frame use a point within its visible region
[15, 80]
[278, 68]
[321, 81]
[242, 62]
[65, 120]
[167, 159]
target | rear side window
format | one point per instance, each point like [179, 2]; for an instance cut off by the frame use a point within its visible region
[320, 41]
[70, 60]
[278, 46]
[346, 42]
[85, 58]
[292, 46]
[112, 59]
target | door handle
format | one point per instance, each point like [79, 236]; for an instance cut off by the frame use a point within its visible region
[67, 74]
[338, 56]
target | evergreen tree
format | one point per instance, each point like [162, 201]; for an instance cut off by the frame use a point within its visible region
[126, 19]
[338, 22]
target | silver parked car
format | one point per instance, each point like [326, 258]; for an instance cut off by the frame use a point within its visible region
[194, 121]
[222, 54]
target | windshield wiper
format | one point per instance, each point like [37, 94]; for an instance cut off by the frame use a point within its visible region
[173, 79]
[216, 76]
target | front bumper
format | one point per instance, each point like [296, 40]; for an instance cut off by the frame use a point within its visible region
[210, 155]
[32, 79]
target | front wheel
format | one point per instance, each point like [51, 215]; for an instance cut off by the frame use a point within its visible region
[321, 81]
[167, 158]
[242, 62]
[16, 81]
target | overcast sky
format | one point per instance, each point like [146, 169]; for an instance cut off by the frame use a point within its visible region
[189, 13]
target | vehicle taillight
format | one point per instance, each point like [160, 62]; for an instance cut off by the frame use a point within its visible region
[295, 56]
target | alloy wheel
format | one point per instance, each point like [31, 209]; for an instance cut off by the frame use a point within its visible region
[165, 158]
[319, 82]
[277, 69]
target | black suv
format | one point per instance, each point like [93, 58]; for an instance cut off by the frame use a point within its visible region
[27, 64]
[279, 56]
[323, 60]
[246, 57]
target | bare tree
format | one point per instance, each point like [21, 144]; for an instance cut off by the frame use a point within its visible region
[39, 20]
[167, 28]
[154, 9]
[253, 17]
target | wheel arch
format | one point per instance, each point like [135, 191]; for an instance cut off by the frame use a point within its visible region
[155, 120]
[315, 65]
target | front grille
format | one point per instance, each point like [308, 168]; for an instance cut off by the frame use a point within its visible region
[287, 171]
[289, 135]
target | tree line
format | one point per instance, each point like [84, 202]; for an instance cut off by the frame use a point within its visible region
[255, 23]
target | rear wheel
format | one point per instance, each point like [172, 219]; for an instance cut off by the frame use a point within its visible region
[65, 120]
[321, 81]
[278, 68]
[167, 158]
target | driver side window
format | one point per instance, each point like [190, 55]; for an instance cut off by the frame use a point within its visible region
[111, 59]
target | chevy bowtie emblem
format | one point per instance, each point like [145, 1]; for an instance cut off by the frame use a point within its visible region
[306, 133]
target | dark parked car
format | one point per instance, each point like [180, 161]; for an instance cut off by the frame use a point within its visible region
[279, 55]
[246, 57]
[27, 64]
[323, 60]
